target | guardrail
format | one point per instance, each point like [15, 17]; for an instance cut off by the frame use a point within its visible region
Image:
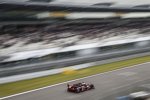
[61, 70]
[41, 66]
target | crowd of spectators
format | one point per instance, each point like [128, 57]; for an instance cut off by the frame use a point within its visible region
[67, 34]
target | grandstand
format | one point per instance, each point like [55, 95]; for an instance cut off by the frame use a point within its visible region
[29, 35]
[19, 38]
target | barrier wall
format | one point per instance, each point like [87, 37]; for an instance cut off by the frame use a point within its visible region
[49, 65]
[60, 70]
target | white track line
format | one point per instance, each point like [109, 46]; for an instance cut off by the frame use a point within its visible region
[71, 81]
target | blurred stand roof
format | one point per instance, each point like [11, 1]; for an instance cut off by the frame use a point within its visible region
[53, 10]
[46, 5]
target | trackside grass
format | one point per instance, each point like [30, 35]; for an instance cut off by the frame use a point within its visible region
[26, 85]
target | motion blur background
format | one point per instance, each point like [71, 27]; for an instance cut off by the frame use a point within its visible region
[40, 35]
[32, 29]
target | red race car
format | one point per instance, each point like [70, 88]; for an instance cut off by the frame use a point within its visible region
[80, 87]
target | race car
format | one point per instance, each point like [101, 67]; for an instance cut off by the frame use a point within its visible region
[79, 87]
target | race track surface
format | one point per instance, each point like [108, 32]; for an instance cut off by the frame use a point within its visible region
[106, 84]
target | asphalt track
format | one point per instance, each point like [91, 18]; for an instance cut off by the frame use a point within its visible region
[107, 84]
